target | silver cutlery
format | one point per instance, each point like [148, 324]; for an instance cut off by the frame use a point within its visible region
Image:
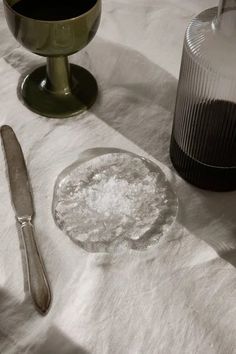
[24, 209]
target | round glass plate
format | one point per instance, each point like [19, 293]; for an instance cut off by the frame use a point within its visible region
[112, 199]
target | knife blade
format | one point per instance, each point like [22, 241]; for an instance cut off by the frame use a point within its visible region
[24, 210]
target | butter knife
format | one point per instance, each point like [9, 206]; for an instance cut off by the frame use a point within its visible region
[23, 203]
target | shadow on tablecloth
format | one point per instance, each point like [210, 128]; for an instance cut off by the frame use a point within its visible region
[53, 341]
[137, 99]
[210, 216]
[57, 342]
[137, 96]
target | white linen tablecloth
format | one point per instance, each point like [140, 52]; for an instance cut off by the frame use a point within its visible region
[179, 296]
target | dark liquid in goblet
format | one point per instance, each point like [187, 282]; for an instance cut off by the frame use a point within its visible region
[53, 10]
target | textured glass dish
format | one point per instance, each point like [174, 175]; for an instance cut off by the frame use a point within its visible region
[111, 199]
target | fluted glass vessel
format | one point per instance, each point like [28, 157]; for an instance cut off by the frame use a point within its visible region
[203, 143]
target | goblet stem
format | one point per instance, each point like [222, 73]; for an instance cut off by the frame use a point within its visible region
[58, 75]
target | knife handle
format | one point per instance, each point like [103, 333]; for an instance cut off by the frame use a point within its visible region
[38, 283]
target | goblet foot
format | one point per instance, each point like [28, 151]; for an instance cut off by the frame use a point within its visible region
[38, 98]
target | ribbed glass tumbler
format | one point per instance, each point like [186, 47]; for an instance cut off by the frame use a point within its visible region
[203, 142]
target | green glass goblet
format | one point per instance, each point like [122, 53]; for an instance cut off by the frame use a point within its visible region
[58, 89]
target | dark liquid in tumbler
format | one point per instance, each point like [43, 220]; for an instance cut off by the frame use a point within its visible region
[208, 159]
[53, 10]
